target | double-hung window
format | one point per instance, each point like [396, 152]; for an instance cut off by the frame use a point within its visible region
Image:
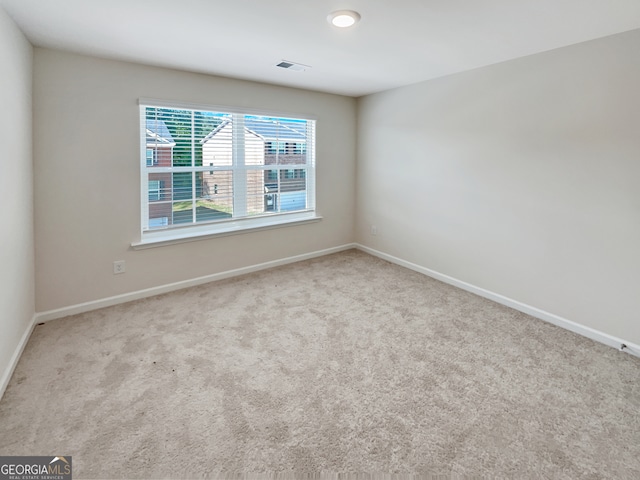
[218, 171]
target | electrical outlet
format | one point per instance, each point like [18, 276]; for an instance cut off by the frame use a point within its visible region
[118, 267]
[374, 230]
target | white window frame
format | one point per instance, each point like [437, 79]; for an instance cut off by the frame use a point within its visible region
[176, 234]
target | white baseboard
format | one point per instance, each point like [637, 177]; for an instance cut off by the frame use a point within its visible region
[150, 292]
[15, 358]
[585, 331]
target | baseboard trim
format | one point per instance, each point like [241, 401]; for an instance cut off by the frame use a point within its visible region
[583, 330]
[150, 292]
[15, 358]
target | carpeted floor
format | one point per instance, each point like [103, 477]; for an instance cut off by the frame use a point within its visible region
[344, 363]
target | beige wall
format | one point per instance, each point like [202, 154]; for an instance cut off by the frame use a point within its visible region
[522, 178]
[16, 192]
[87, 197]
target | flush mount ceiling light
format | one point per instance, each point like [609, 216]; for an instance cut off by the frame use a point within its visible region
[343, 18]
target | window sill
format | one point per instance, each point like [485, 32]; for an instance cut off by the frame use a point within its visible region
[160, 238]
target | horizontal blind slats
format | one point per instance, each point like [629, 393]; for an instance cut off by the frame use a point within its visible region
[197, 166]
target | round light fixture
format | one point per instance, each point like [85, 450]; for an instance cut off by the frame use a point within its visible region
[343, 18]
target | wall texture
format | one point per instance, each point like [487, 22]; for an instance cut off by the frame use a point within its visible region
[521, 178]
[16, 192]
[87, 197]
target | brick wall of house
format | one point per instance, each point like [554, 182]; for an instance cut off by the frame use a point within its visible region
[165, 157]
[292, 181]
[160, 210]
[284, 159]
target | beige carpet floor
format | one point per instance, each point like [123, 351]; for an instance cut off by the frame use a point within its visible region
[344, 363]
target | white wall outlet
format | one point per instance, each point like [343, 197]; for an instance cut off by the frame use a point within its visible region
[118, 267]
[374, 230]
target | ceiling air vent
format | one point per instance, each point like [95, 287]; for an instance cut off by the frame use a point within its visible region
[296, 67]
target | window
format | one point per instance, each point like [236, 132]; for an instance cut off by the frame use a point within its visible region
[154, 190]
[152, 157]
[206, 171]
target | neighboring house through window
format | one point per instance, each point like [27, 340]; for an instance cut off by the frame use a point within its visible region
[152, 157]
[154, 190]
[219, 171]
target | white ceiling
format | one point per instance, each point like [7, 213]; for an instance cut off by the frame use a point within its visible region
[397, 42]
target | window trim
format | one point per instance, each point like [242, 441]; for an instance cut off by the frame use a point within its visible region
[158, 238]
[153, 238]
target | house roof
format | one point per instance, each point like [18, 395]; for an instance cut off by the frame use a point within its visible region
[282, 130]
[158, 133]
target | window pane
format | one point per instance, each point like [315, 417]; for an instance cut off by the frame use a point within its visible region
[159, 214]
[182, 212]
[216, 184]
[293, 200]
[215, 195]
[284, 139]
[182, 186]
[160, 186]
[217, 142]
[178, 124]
[159, 141]
[159, 194]
[292, 180]
[158, 222]
[208, 210]
[271, 190]
[255, 191]
[253, 149]
[179, 135]
[154, 190]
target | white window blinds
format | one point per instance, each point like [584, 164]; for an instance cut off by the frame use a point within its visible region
[210, 167]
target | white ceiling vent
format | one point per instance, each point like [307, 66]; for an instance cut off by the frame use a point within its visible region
[296, 67]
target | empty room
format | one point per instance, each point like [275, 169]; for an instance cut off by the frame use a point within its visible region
[328, 239]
